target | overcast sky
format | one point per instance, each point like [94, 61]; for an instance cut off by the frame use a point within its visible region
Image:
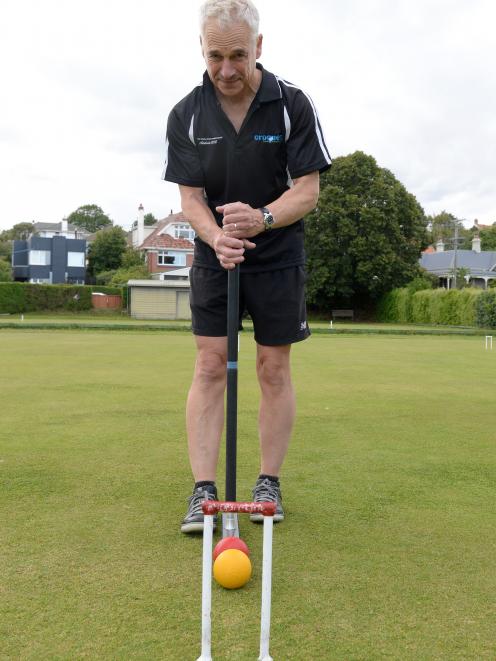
[87, 86]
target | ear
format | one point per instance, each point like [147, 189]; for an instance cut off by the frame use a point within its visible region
[201, 46]
[259, 45]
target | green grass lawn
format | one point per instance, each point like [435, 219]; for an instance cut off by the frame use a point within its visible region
[388, 549]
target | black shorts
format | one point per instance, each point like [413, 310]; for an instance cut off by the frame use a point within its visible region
[275, 301]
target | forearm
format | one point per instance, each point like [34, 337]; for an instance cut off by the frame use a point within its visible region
[243, 221]
[196, 210]
[296, 202]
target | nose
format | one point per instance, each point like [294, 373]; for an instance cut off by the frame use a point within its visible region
[227, 70]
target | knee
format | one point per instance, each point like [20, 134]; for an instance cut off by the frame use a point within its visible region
[273, 374]
[210, 368]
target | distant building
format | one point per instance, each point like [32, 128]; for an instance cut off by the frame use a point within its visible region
[168, 245]
[54, 253]
[480, 265]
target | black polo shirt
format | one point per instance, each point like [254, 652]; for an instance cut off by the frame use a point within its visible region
[280, 140]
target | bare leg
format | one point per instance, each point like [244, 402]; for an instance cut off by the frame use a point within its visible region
[277, 406]
[205, 406]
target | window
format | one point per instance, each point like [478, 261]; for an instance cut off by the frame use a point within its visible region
[39, 257]
[76, 259]
[175, 257]
[184, 232]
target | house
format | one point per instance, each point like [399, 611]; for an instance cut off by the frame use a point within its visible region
[479, 265]
[54, 253]
[168, 245]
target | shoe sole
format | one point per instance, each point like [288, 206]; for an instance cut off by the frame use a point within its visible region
[196, 526]
[258, 518]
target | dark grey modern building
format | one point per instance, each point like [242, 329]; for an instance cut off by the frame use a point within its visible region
[49, 256]
[480, 265]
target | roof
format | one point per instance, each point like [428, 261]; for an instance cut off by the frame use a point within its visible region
[158, 283]
[158, 240]
[57, 227]
[174, 218]
[478, 263]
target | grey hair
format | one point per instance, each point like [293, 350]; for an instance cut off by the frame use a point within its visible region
[227, 12]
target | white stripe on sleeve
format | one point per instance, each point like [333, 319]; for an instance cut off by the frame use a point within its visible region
[191, 129]
[318, 130]
[164, 172]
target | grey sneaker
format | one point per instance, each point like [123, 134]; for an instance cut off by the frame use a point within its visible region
[267, 491]
[193, 521]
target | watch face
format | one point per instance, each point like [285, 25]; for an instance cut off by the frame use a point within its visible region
[268, 220]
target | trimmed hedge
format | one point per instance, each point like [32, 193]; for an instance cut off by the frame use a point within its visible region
[18, 297]
[454, 307]
[486, 309]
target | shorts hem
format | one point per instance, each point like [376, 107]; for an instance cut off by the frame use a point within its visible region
[284, 342]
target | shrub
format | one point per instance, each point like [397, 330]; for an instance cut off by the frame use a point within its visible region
[486, 309]
[18, 297]
[5, 271]
[452, 307]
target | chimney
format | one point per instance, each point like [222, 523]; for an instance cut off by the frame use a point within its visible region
[476, 243]
[63, 226]
[141, 226]
[440, 246]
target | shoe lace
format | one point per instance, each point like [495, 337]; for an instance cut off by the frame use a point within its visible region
[196, 500]
[266, 491]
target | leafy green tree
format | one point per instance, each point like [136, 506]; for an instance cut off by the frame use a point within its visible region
[5, 271]
[488, 238]
[120, 277]
[5, 249]
[149, 219]
[442, 226]
[89, 217]
[132, 258]
[366, 235]
[17, 232]
[106, 251]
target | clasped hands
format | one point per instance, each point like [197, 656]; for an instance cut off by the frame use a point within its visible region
[241, 222]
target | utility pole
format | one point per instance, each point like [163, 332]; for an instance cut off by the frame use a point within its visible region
[456, 254]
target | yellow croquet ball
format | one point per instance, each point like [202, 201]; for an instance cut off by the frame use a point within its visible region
[232, 569]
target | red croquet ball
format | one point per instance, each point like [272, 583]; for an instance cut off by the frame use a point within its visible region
[230, 543]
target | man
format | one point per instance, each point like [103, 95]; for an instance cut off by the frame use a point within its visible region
[246, 149]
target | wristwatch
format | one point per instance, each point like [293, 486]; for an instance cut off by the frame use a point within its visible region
[268, 219]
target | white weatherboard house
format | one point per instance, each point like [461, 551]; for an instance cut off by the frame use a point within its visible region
[480, 265]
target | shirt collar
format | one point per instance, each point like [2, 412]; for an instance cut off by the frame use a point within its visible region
[269, 89]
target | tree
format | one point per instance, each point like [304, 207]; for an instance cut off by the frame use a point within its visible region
[120, 277]
[149, 219]
[442, 226]
[17, 232]
[366, 235]
[132, 258]
[5, 271]
[488, 238]
[89, 217]
[106, 251]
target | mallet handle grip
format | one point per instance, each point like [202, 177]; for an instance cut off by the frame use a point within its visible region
[214, 506]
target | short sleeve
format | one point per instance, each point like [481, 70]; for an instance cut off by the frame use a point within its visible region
[306, 148]
[182, 162]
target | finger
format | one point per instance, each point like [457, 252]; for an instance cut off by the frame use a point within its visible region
[220, 209]
[249, 244]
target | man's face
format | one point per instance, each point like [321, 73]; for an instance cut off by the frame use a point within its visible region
[231, 55]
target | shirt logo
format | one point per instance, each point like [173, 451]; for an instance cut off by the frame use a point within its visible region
[209, 141]
[260, 137]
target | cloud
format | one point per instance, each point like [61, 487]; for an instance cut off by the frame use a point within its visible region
[89, 86]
